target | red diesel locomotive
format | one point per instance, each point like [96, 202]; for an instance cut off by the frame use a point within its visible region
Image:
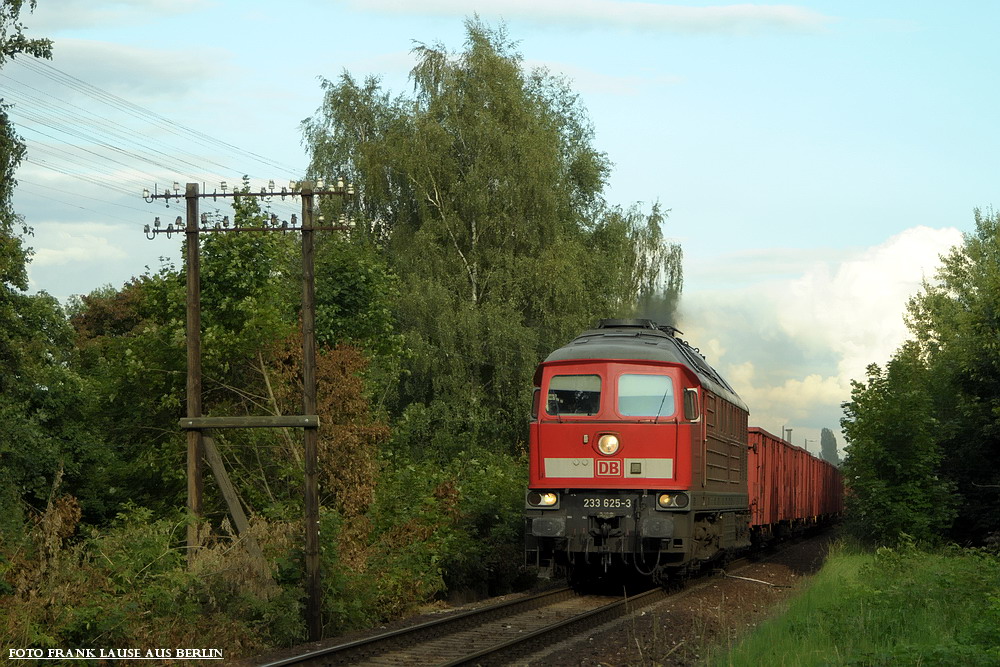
[641, 460]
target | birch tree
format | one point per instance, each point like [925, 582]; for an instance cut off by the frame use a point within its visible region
[485, 191]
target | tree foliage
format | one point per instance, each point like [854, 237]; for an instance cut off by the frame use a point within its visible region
[13, 42]
[132, 347]
[484, 192]
[956, 322]
[939, 401]
[894, 456]
[40, 395]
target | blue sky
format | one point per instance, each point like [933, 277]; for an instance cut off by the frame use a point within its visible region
[816, 157]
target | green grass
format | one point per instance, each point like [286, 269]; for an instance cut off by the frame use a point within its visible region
[892, 607]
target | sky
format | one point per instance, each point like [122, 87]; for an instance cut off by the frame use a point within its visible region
[816, 157]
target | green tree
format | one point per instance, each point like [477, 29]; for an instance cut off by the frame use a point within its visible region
[952, 393]
[13, 255]
[484, 191]
[130, 350]
[39, 394]
[893, 454]
[483, 194]
[956, 323]
[13, 41]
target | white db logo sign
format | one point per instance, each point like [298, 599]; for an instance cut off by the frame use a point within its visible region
[609, 468]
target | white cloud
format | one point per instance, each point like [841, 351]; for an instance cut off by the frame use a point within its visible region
[757, 265]
[136, 73]
[50, 17]
[630, 15]
[796, 399]
[790, 347]
[857, 309]
[589, 81]
[76, 244]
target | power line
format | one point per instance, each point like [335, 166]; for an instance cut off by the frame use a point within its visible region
[101, 214]
[82, 177]
[145, 115]
[108, 137]
[49, 189]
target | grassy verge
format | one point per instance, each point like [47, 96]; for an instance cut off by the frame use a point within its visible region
[892, 607]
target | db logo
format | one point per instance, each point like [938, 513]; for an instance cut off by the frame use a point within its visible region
[607, 468]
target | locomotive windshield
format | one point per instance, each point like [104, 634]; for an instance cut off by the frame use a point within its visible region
[645, 395]
[574, 395]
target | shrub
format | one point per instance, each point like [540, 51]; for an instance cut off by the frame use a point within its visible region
[129, 585]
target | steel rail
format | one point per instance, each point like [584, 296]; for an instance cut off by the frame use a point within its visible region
[543, 637]
[372, 646]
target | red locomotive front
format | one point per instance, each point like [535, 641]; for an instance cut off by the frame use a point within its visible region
[606, 424]
[638, 456]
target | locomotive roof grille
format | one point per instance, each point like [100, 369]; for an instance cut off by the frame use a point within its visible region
[637, 324]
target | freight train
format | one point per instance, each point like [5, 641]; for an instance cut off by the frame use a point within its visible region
[641, 462]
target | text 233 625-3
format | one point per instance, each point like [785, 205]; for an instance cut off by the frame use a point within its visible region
[607, 503]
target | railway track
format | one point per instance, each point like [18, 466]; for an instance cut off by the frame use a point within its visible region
[497, 634]
[500, 634]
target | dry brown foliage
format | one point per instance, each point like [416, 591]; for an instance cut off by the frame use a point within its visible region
[233, 568]
[348, 435]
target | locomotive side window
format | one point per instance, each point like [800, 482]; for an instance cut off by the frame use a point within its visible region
[691, 411]
[573, 395]
[645, 395]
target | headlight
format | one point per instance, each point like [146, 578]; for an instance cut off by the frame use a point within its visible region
[608, 444]
[547, 499]
[672, 500]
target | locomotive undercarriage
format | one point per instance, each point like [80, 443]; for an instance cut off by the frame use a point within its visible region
[607, 534]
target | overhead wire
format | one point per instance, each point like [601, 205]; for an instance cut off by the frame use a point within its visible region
[102, 214]
[102, 156]
[99, 126]
[89, 143]
[90, 165]
[82, 177]
[108, 147]
[48, 189]
[112, 149]
[52, 73]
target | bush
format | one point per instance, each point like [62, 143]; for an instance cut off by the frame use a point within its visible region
[431, 530]
[129, 586]
[487, 554]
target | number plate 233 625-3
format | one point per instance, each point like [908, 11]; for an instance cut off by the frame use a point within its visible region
[616, 505]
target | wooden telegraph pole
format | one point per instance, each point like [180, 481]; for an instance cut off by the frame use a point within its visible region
[195, 450]
[195, 422]
[311, 435]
